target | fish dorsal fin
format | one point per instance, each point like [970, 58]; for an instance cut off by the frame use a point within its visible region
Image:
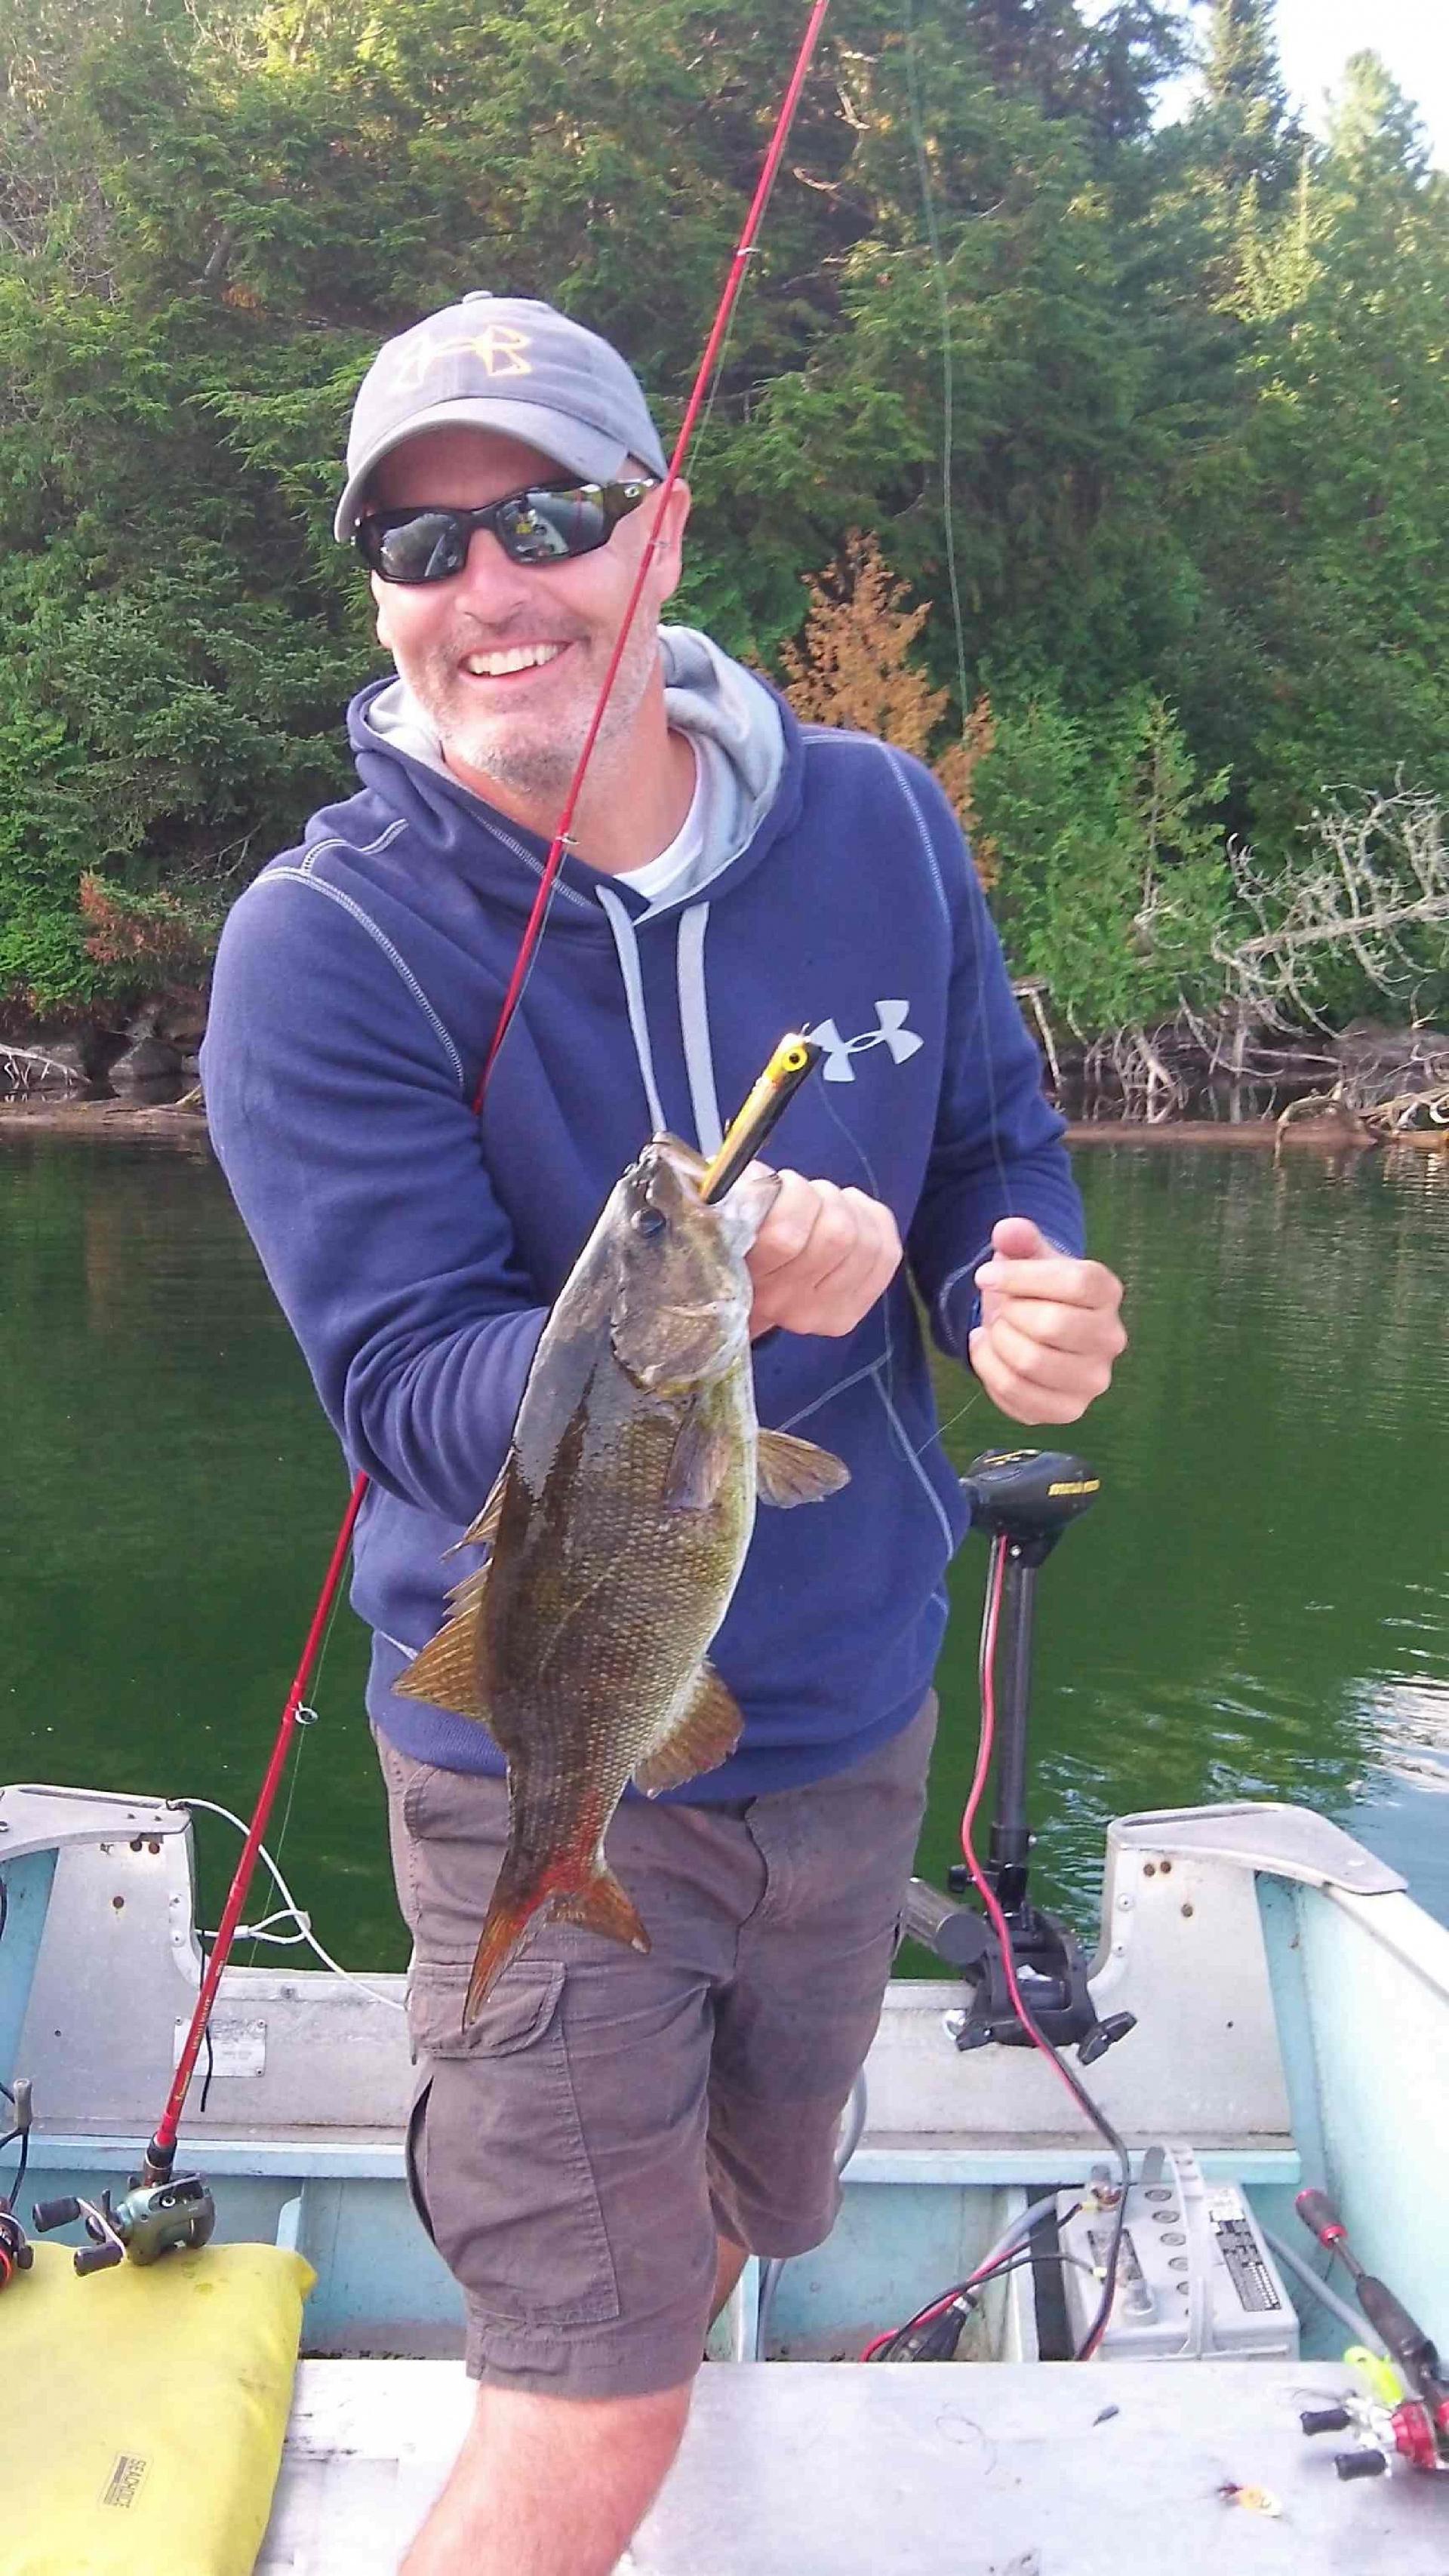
[702, 1738]
[700, 1459]
[792, 1471]
[484, 1530]
[451, 1672]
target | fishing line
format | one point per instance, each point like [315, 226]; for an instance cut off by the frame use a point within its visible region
[161, 2153]
[948, 431]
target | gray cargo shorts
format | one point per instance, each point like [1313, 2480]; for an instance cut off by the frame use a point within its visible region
[576, 2152]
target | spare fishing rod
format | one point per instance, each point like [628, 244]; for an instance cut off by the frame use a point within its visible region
[156, 2175]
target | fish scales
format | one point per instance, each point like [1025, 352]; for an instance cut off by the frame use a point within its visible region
[618, 1530]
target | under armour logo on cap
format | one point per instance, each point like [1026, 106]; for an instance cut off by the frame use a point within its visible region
[499, 351]
[890, 1031]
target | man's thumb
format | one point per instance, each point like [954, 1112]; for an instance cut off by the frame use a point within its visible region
[1017, 1239]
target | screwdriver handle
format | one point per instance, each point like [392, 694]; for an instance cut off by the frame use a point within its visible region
[1320, 2218]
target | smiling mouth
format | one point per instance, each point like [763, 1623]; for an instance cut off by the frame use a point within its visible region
[517, 657]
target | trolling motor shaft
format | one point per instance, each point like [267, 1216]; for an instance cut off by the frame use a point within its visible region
[1022, 1499]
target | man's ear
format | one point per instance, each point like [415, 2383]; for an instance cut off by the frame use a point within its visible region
[669, 561]
[380, 603]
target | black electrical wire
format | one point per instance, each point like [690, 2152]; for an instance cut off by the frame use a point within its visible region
[956, 2304]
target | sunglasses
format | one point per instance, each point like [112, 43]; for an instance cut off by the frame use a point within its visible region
[546, 523]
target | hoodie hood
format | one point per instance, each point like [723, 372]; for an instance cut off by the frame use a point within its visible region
[735, 722]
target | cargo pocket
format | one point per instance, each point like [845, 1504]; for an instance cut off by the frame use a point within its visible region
[497, 2153]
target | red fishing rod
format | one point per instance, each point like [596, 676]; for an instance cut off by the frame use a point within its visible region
[161, 2153]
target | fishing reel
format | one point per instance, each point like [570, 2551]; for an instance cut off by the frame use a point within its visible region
[149, 2220]
[1395, 2430]
[16, 2251]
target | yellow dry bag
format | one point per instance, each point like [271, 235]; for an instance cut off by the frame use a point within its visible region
[144, 2411]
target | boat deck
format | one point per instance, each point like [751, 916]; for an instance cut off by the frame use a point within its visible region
[827, 2469]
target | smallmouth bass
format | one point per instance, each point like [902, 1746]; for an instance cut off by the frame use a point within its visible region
[617, 1527]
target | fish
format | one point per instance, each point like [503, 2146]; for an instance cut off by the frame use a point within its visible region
[617, 1530]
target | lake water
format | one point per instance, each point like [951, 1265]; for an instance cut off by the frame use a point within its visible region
[1257, 1606]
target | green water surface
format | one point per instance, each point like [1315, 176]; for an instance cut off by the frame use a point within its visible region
[1258, 1606]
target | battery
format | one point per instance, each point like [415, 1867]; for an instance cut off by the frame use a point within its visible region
[1195, 2279]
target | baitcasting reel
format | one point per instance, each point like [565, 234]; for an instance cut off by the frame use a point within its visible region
[151, 2219]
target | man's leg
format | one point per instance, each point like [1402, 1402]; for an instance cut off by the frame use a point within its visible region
[550, 2486]
[730, 2261]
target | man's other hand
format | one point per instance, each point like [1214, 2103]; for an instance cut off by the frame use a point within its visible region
[1049, 1331]
[821, 1258]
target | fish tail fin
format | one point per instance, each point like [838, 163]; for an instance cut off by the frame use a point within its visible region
[599, 1904]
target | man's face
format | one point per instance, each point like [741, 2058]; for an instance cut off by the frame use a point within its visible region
[508, 659]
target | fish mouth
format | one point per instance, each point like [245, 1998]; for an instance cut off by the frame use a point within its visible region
[746, 1204]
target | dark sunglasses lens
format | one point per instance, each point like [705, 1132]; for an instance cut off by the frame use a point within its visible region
[546, 527]
[428, 546]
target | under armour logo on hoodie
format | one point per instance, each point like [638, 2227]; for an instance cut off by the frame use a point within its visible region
[890, 1031]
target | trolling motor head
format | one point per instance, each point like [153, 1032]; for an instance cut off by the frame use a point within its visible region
[1028, 1495]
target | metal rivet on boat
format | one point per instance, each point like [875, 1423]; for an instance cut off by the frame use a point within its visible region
[1177, 2263]
[1164, 1866]
[1124, 1904]
[1149, 1869]
[1187, 1909]
[1174, 2238]
[118, 1902]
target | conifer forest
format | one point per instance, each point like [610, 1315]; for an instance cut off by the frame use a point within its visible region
[1099, 452]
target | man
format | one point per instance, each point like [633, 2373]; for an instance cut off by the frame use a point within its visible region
[598, 2152]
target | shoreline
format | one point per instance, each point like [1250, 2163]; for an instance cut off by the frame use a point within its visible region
[1320, 1135]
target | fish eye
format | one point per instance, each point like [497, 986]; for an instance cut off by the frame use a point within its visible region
[648, 1220]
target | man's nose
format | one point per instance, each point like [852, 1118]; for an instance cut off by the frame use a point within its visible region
[489, 583]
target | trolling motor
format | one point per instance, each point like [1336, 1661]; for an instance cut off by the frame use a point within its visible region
[1022, 1499]
[1403, 2412]
[150, 2219]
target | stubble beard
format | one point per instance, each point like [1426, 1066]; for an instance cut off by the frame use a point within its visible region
[533, 756]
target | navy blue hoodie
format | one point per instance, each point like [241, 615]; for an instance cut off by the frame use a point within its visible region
[416, 1248]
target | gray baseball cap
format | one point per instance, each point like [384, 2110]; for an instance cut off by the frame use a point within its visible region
[505, 363]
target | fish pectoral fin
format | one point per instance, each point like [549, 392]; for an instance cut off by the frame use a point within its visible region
[484, 1530]
[699, 1461]
[703, 1737]
[602, 1906]
[792, 1471]
[450, 1672]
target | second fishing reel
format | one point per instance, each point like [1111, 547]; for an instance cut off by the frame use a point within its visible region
[1022, 1499]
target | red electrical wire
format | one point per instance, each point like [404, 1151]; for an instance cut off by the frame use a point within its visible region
[161, 2153]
